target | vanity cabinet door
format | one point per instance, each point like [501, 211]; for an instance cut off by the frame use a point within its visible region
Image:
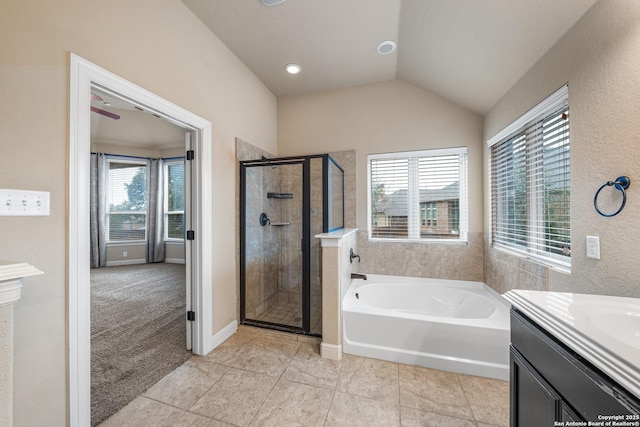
[534, 402]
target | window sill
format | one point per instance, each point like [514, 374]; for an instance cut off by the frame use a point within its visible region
[127, 243]
[422, 241]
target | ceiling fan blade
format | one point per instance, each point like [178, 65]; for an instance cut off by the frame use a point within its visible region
[105, 113]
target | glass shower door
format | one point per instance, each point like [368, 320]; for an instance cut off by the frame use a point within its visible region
[272, 254]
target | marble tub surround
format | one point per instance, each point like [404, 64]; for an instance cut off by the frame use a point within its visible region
[504, 271]
[229, 387]
[456, 261]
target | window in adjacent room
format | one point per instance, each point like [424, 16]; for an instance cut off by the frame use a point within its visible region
[530, 184]
[174, 201]
[127, 200]
[418, 196]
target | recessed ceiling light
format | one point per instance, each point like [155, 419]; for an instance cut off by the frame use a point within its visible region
[271, 2]
[386, 47]
[292, 68]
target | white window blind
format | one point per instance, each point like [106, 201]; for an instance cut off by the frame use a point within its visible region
[174, 202]
[418, 196]
[127, 201]
[530, 186]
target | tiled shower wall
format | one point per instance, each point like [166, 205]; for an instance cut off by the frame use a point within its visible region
[262, 243]
[289, 180]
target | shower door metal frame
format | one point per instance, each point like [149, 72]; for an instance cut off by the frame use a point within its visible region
[305, 161]
[306, 201]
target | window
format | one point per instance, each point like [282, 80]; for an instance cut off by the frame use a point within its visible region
[174, 202]
[419, 195]
[127, 200]
[530, 184]
[429, 212]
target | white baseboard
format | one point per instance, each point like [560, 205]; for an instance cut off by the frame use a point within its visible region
[126, 262]
[221, 336]
[174, 260]
[331, 351]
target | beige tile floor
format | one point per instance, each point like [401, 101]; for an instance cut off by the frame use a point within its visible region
[264, 378]
[286, 313]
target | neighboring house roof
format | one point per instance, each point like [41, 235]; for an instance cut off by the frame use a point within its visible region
[396, 203]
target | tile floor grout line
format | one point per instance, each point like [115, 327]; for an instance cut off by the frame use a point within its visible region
[245, 343]
[335, 389]
[274, 384]
[466, 398]
[208, 390]
[179, 408]
[229, 367]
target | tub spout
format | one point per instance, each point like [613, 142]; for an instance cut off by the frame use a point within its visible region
[358, 276]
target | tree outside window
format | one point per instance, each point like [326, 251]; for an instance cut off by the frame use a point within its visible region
[127, 201]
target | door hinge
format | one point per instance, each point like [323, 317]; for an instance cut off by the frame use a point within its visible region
[191, 155]
[191, 316]
[191, 235]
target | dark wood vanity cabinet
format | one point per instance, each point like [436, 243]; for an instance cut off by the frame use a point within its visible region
[551, 384]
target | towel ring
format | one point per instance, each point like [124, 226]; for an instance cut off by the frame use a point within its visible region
[621, 183]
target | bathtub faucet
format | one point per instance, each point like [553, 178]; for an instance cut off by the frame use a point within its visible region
[358, 276]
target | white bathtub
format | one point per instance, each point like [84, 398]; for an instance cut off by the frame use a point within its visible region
[450, 325]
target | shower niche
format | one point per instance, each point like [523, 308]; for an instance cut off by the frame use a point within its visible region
[284, 202]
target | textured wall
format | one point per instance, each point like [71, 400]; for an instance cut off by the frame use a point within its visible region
[386, 117]
[159, 45]
[599, 60]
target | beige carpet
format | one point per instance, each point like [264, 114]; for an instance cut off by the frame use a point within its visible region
[137, 332]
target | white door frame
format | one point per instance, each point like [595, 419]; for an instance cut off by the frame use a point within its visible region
[83, 75]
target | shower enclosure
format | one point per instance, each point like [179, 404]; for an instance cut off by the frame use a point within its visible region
[284, 202]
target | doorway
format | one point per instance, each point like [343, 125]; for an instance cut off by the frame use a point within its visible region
[86, 76]
[139, 285]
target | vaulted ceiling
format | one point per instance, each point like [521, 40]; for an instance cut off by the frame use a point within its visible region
[468, 51]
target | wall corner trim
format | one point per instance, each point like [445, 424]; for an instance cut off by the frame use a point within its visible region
[331, 351]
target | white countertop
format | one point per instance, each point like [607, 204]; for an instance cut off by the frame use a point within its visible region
[332, 238]
[605, 330]
[10, 270]
[11, 274]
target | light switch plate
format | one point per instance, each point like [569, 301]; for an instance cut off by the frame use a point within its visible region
[24, 203]
[593, 247]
